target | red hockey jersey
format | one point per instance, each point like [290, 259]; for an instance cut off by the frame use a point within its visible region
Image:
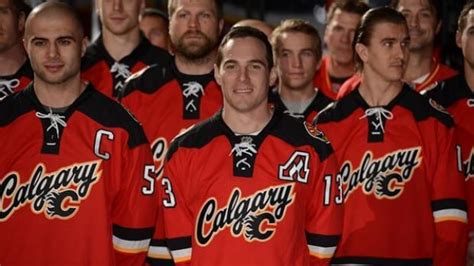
[108, 76]
[456, 96]
[250, 200]
[167, 101]
[76, 188]
[403, 197]
[16, 82]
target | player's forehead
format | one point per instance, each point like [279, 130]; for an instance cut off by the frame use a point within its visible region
[295, 40]
[415, 6]
[196, 6]
[388, 30]
[52, 26]
[244, 50]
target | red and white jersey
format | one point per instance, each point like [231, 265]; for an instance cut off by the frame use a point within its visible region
[404, 199]
[456, 96]
[76, 188]
[265, 199]
[16, 82]
[108, 76]
[167, 102]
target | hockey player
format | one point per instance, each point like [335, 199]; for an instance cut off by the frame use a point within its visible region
[297, 50]
[424, 22]
[15, 70]
[171, 98]
[338, 64]
[255, 189]
[403, 196]
[76, 173]
[457, 96]
[121, 50]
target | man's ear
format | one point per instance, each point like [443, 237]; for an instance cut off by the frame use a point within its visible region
[217, 75]
[361, 50]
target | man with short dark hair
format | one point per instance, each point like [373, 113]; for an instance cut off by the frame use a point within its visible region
[404, 200]
[15, 70]
[76, 173]
[264, 197]
[338, 64]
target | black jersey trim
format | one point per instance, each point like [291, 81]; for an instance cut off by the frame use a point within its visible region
[449, 204]
[110, 113]
[292, 131]
[382, 261]
[179, 243]
[15, 106]
[451, 91]
[132, 234]
[160, 262]
[322, 240]
[198, 136]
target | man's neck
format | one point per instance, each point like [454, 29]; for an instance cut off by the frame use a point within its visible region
[58, 95]
[377, 92]
[12, 60]
[338, 70]
[298, 95]
[119, 46]
[419, 64]
[248, 122]
[469, 75]
[200, 66]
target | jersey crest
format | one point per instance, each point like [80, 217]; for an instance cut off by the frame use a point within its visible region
[253, 218]
[470, 103]
[296, 168]
[7, 87]
[56, 195]
[383, 177]
[314, 132]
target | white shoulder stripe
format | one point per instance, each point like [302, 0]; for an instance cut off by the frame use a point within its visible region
[159, 252]
[181, 254]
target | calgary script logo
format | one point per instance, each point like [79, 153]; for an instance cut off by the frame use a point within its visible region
[255, 217]
[57, 194]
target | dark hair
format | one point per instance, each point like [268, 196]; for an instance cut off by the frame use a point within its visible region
[436, 6]
[296, 25]
[243, 32]
[364, 30]
[154, 12]
[217, 3]
[349, 6]
[21, 6]
[463, 15]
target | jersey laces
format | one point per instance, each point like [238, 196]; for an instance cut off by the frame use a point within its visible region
[7, 87]
[55, 120]
[193, 89]
[380, 113]
[244, 149]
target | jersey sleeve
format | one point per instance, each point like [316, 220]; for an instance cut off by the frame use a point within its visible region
[324, 220]
[134, 207]
[176, 226]
[448, 199]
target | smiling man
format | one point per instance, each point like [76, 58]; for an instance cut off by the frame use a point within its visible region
[260, 174]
